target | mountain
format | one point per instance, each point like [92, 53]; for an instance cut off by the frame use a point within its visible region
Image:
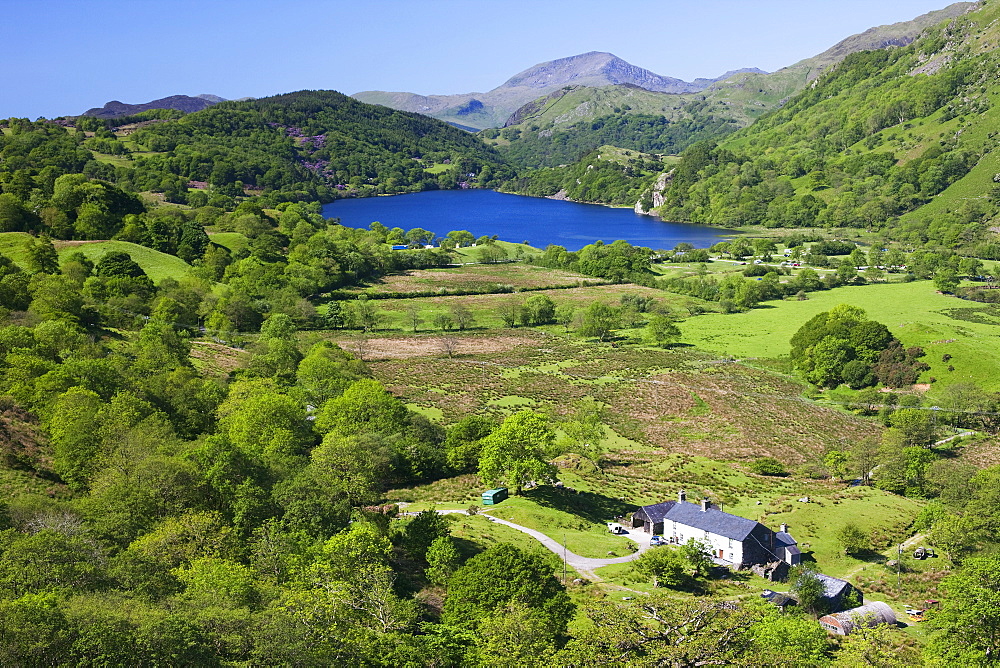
[493, 108]
[899, 141]
[322, 143]
[567, 123]
[185, 103]
[749, 95]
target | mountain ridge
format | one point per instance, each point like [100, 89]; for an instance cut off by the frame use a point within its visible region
[493, 108]
[598, 69]
[186, 103]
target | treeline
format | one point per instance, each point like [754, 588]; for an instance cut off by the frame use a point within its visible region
[291, 256]
[593, 178]
[619, 261]
[534, 147]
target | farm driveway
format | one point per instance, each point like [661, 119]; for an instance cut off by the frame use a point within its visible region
[583, 565]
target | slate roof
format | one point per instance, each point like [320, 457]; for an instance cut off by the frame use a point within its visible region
[834, 586]
[711, 520]
[655, 512]
[785, 540]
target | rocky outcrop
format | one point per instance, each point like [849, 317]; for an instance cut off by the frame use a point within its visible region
[535, 106]
[185, 103]
[653, 198]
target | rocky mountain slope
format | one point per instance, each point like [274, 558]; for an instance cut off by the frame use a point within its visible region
[569, 122]
[493, 108]
[185, 103]
[896, 140]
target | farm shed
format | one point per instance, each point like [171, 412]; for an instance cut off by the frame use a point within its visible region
[837, 592]
[494, 496]
[872, 614]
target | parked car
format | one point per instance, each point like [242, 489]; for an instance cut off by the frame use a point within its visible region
[657, 540]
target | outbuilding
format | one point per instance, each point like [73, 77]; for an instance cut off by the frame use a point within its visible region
[494, 496]
[846, 622]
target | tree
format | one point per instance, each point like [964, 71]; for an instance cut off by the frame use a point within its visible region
[448, 344]
[500, 575]
[77, 448]
[508, 310]
[118, 264]
[462, 316]
[808, 589]
[664, 565]
[564, 315]
[42, 257]
[418, 237]
[863, 456]
[768, 466]
[514, 453]
[946, 279]
[464, 441]
[518, 636]
[585, 428]
[443, 321]
[662, 330]
[421, 531]
[698, 555]
[661, 630]
[413, 316]
[442, 560]
[788, 640]
[14, 216]
[539, 309]
[837, 462]
[366, 315]
[599, 320]
[852, 538]
[462, 238]
[968, 624]
[364, 406]
[874, 646]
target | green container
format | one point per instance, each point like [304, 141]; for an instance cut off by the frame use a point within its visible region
[494, 496]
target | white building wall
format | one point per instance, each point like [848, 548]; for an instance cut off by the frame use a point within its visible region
[732, 550]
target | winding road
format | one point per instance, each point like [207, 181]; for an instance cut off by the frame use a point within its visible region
[583, 565]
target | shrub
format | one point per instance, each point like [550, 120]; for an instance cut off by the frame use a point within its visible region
[768, 466]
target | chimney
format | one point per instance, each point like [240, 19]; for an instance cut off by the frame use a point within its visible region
[784, 528]
[705, 504]
[682, 496]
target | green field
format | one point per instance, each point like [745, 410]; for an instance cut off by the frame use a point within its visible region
[14, 246]
[913, 312]
[157, 265]
[116, 160]
[234, 241]
[511, 250]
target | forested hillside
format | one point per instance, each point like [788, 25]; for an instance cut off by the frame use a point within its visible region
[898, 140]
[306, 146]
[549, 135]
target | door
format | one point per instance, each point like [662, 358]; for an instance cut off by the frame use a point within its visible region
[721, 553]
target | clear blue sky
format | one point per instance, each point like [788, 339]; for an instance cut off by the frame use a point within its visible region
[65, 56]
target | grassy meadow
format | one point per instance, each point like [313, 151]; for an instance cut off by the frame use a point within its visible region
[157, 265]
[914, 312]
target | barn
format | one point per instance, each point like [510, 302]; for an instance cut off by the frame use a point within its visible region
[871, 614]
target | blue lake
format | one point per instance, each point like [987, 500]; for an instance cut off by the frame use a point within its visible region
[516, 218]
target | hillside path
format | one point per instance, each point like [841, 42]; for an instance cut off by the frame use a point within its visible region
[583, 565]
